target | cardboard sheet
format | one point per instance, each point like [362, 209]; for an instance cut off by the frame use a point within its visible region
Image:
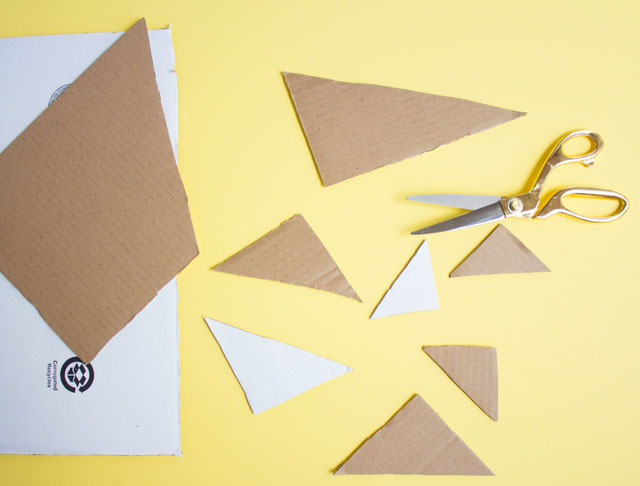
[413, 290]
[131, 406]
[500, 252]
[271, 372]
[291, 253]
[94, 218]
[474, 369]
[354, 128]
[415, 441]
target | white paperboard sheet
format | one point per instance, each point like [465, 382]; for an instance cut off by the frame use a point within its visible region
[128, 402]
[271, 372]
[413, 290]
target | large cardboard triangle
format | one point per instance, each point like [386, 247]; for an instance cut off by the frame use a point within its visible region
[354, 128]
[474, 369]
[415, 441]
[500, 252]
[271, 372]
[413, 290]
[94, 218]
[291, 253]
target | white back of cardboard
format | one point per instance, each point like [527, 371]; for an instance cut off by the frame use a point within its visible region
[132, 405]
[413, 290]
[95, 218]
[271, 372]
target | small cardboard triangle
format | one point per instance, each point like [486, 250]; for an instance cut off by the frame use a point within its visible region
[94, 218]
[271, 372]
[354, 128]
[474, 369]
[500, 252]
[413, 290]
[291, 253]
[415, 441]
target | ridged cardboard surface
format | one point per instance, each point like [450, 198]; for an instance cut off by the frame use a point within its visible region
[474, 369]
[353, 128]
[415, 441]
[500, 252]
[94, 218]
[291, 253]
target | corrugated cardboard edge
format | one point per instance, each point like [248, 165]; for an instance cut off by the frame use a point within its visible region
[500, 252]
[474, 369]
[330, 279]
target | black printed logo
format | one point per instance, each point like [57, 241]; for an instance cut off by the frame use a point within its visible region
[57, 93]
[75, 375]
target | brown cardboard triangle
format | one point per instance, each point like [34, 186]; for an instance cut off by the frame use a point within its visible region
[474, 369]
[94, 216]
[500, 252]
[415, 441]
[354, 128]
[291, 253]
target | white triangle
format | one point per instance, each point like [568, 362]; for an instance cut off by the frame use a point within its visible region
[413, 290]
[271, 372]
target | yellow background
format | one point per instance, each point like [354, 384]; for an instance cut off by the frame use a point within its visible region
[567, 340]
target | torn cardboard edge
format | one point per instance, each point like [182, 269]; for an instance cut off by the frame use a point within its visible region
[354, 128]
[271, 372]
[414, 441]
[291, 253]
[500, 252]
[413, 290]
[474, 369]
[91, 233]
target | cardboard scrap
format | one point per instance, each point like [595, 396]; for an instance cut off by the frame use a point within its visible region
[354, 128]
[413, 290]
[132, 406]
[94, 218]
[500, 252]
[474, 369]
[271, 372]
[415, 441]
[291, 253]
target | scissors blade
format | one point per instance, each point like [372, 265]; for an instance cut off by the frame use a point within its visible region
[461, 201]
[486, 214]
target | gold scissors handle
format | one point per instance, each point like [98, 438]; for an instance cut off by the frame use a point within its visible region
[555, 204]
[526, 205]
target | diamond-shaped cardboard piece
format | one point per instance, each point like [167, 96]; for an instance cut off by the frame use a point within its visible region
[413, 290]
[354, 128]
[291, 253]
[500, 252]
[94, 218]
[415, 441]
[474, 369]
[271, 372]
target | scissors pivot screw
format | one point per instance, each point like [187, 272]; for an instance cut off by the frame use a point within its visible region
[515, 205]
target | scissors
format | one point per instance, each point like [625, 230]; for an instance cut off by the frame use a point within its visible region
[485, 209]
